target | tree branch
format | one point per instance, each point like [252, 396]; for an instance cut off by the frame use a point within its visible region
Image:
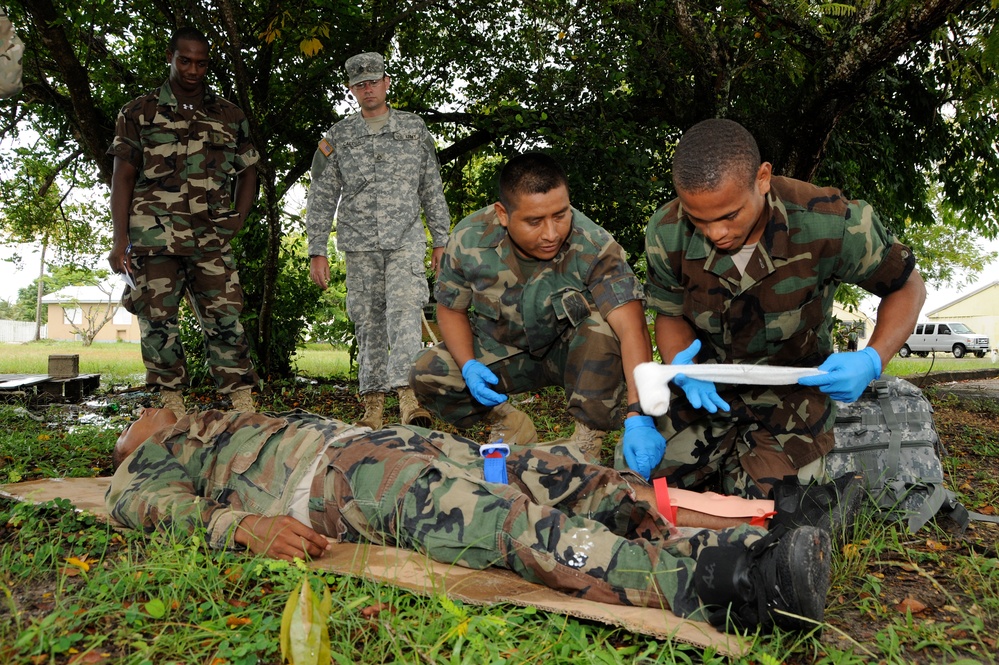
[93, 128]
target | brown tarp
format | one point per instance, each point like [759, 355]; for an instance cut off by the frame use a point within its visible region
[413, 571]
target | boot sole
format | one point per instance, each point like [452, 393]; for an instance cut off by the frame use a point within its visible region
[810, 564]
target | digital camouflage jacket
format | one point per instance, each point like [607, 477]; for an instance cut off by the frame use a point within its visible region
[375, 185]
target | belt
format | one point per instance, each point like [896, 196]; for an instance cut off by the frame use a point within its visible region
[324, 511]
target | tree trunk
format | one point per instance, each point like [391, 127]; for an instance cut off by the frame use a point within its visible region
[40, 292]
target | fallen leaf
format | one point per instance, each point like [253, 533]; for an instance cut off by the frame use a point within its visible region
[910, 605]
[89, 658]
[987, 510]
[936, 545]
[234, 621]
[372, 611]
[80, 563]
[237, 603]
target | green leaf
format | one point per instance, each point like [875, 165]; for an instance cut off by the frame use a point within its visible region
[155, 608]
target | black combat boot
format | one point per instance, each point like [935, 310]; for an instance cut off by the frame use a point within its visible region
[776, 581]
[833, 507]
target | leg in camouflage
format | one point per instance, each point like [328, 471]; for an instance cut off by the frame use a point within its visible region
[573, 526]
[586, 363]
[366, 308]
[217, 300]
[406, 292]
[386, 292]
[155, 301]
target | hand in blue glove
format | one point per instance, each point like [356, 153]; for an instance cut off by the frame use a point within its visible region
[643, 445]
[701, 394]
[476, 377]
[846, 374]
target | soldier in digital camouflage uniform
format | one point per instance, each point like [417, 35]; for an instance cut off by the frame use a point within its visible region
[374, 170]
[743, 267]
[184, 181]
[532, 293]
[278, 485]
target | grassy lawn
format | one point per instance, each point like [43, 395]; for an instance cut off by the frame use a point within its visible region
[73, 590]
[121, 363]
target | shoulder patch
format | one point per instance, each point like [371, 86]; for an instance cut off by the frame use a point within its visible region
[326, 147]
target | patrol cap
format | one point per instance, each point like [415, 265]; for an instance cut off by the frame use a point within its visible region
[365, 67]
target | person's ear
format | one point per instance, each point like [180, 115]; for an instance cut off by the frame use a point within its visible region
[763, 175]
[501, 213]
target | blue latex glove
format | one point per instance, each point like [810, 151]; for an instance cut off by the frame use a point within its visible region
[477, 376]
[642, 444]
[847, 374]
[701, 394]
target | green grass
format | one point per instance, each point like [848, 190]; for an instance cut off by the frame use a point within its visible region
[159, 600]
[940, 363]
[120, 364]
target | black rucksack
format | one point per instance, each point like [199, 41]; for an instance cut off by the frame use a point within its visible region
[889, 436]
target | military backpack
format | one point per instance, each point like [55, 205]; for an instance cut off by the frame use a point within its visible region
[889, 436]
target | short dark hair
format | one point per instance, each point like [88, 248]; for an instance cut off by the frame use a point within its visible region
[711, 151]
[189, 33]
[530, 173]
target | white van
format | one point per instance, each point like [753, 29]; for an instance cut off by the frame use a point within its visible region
[949, 336]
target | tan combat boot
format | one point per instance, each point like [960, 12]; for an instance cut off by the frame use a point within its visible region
[510, 425]
[242, 400]
[374, 406]
[173, 400]
[588, 441]
[410, 410]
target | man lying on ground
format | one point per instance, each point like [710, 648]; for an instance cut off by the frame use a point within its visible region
[280, 486]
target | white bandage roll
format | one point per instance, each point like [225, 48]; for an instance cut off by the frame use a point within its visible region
[652, 379]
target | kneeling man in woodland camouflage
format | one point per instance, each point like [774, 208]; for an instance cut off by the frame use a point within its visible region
[281, 485]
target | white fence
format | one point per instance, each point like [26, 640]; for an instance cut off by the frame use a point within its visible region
[18, 331]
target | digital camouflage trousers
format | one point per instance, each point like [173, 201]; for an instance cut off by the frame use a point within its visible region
[386, 292]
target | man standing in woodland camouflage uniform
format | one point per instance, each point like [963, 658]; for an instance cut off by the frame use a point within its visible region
[179, 154]
[552, 301]
[743, 267]
[280, 485]
[374, 170]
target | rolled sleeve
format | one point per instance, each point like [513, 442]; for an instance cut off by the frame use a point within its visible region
[871, 257]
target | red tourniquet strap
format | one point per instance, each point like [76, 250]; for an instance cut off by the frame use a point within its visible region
[666, 509]
[761, 520]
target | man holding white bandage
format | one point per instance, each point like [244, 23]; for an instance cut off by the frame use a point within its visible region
[742, 268]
